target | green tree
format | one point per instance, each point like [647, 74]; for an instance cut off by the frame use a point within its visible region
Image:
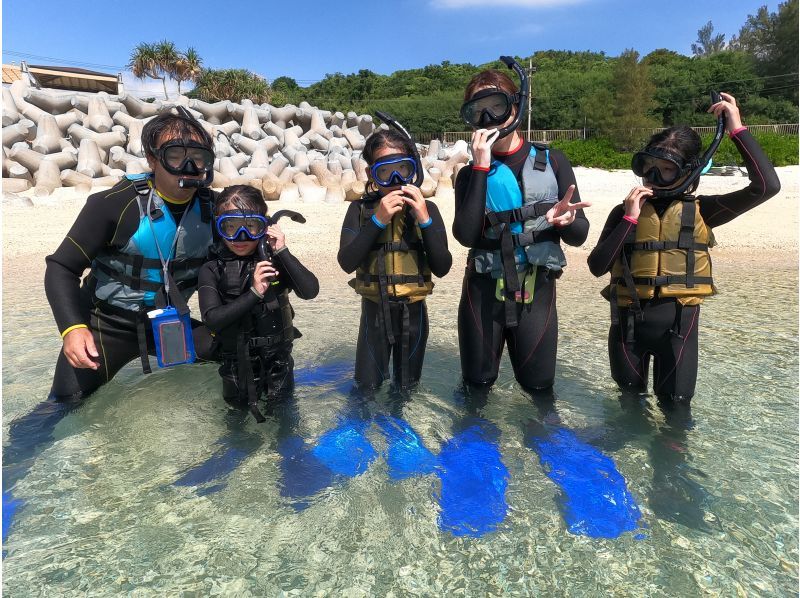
[708, 43]
[187, 68]
[231, 84]
[632, 103]
[771, 38]
[162, 60]
[145, 63]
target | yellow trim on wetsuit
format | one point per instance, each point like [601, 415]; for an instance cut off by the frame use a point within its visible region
[166, 198]
[79, 247]
[71, 328]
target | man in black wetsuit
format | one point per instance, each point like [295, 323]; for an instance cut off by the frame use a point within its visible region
[636, 243]
[128, 236]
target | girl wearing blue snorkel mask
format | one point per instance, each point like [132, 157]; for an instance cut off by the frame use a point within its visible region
[394, 240]
[244, 298]
[655, 244]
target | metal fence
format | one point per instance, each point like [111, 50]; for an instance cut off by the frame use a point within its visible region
[548, 135]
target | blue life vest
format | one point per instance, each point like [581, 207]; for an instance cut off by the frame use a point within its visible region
[523, 211]
[130, 277]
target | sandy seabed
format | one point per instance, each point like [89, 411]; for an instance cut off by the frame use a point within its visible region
[766, 237]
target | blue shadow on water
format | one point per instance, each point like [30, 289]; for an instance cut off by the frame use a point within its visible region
[594, 499]
[345, 449]
[406, 455]
[474, 481]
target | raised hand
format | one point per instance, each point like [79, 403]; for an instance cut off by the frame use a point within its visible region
[729, 107]
[563, 213]
[263, 274]
[275, 237]
[482, 140]
[635, 200]
[413, 197]
[390, 204]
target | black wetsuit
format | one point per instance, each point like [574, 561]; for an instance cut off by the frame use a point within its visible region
[373, 348]
[482, 329]
[235, 314]
[668, 330]
[108, 220]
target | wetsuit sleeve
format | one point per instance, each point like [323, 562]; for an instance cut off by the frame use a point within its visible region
[216, 314]
[470, 209]
[575, 233]
[610, 242]
[434, 239]
[355, 241]
[721, 209]
[93, 230]
[295, 275]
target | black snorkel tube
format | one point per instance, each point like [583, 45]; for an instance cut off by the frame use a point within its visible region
[264, 250]
[701, 162]
[523, 95]
[389, 120]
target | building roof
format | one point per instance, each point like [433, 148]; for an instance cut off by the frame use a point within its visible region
[72, 79]
[11, 73]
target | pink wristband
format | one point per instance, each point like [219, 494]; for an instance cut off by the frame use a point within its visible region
[737, 131]
[481, 168]
[629, 219]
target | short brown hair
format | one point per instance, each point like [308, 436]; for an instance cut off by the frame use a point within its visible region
[490, 78]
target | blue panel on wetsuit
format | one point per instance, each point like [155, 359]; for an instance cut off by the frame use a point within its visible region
[345, 449]
[406, 455]
[594, 498]
[303, 473]
[474, 480]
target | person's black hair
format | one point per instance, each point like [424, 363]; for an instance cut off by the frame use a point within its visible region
[177, 126]
[384, 138]
[682, 141]
[243, 197]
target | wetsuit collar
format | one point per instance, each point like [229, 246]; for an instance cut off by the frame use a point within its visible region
[512, 151]
[166, 197]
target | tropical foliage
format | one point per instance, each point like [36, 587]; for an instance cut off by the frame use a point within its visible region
[163, 60]
[231, 84]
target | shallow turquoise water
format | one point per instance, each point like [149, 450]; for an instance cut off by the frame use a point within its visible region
[717, 492]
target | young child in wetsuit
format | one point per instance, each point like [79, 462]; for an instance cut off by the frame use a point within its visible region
[244, 298]
[394, 240]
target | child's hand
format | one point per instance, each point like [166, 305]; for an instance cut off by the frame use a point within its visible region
[391, 203]
[413, 197]
[263, 274]
[275, 237]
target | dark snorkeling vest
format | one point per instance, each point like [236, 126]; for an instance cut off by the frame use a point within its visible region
[396, 267]
[262, 333]
[518, 236]
[665, 256]
[131, 277]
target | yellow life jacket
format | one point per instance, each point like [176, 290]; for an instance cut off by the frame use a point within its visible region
[668, 256]
[396, 267]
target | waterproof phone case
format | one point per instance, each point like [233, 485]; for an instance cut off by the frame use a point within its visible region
[172, 334]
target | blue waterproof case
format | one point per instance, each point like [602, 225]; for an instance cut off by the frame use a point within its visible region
[172, 333]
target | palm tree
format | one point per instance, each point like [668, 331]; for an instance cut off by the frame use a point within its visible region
[167, 56]
[188, 68]
[145, 63]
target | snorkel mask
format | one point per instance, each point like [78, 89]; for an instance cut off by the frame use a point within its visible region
[643, 166]
[491, 107]
[240, 225]
[394, 170]
[187, 158]
[397, 169]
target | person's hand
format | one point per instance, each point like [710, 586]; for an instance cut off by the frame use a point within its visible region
[635, 200]
[80, 350]
[728, 106]
[482, 140]
[413, 197]
[275, 237]
[263, 274]
[390, 204]
[563, 213]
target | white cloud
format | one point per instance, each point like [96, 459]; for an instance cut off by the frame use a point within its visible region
[494, 3]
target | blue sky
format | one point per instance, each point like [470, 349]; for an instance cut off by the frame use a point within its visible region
[306, 39]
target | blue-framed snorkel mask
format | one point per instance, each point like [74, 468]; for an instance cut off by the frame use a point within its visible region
[394, 170]
[236, 225]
